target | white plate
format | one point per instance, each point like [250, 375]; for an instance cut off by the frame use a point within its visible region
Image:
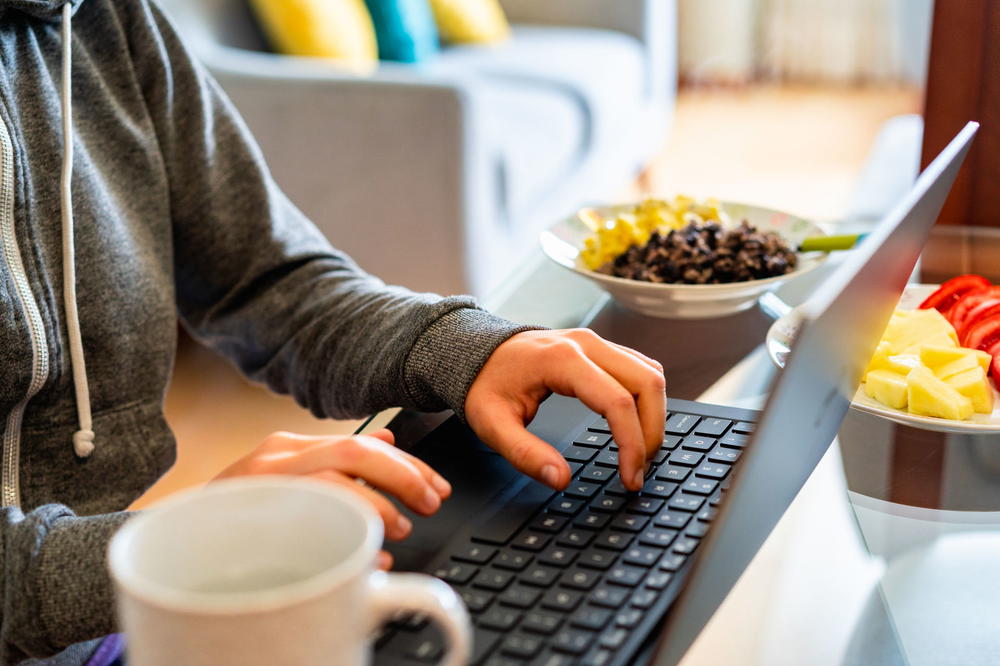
[562, 243]
[784, 329]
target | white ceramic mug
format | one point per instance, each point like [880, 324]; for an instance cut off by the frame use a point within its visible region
[266, 570]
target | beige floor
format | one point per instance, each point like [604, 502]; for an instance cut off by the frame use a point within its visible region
[793, 148]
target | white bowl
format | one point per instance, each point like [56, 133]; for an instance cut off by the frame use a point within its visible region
[562, 243]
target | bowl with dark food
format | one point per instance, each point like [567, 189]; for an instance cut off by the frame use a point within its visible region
[684, 258]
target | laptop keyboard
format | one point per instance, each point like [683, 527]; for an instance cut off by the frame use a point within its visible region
[571, 577]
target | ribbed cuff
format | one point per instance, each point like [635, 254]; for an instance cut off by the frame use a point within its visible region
[449, 354]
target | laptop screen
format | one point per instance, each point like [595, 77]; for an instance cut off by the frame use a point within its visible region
[841, 325]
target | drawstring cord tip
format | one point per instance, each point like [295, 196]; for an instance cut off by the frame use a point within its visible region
[83, 442]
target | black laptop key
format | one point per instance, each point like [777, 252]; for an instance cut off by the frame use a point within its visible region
[628, 522]
[477, 600]
[607, 458]
[707, 514]
[685, 545]
[610, 596]
[644, 505]
[685, 458]
[427, 649]
[556, 659]
[512, 560]
[491, 579]
[501, 660]
[565, 506]
[613, 540]
[581, 489]
[591, 618]
[596, 473]
[672, 519]
[616, 487]
[628, 618]
[557, 556]
[592, 520]
[625, 575]
[540, 576]
[574, 467]
[563, 601]
[519, 596]
[475, 553]
[734, 441]
[644, 598]
[596, 558]
[743, 428]
[670, 442]
[685, 502]
[643, 556]
[657, 536]
[697, 529]
[661, 489]
[613, 637]
[500, 618]
[579, 453]
[712, 470]
[541, 622]
[548, 523]
[672, 561]
[592, 439]
[658, 580]
[680, 424]
[672, 473]
[700, 486]
[721, 454]
[597, 657]
[600, 425]
[533, 541]
[573, 641]
[456, 574]
[521, 646]
[660, 456]
[608, 503]
[575, 538]
[579, 579]
[698, 443]
[712, 426]
[483, 642]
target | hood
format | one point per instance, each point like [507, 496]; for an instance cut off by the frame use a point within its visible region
[48, 10]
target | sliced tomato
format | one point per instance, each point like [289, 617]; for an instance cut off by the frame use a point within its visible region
[958, 313]
[982, 311]
[983, 334]
[994, 351]
[948, 293]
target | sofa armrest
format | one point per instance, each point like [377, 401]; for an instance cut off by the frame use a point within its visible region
[652, 22]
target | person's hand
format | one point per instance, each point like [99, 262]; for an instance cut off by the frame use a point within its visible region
[620, 383]
[346, 459]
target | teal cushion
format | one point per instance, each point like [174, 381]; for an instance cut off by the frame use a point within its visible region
[405, 29]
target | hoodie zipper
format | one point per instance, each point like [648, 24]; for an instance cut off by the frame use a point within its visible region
[11, 492]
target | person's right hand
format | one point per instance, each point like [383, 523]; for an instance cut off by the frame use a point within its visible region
[345, 459]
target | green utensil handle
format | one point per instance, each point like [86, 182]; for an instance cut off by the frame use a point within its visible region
[830, 243]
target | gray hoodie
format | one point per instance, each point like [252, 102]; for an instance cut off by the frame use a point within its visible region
[175, 217]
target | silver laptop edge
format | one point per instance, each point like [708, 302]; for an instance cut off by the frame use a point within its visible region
[841, 326]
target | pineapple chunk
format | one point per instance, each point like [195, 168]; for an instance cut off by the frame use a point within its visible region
[929, 396]
[946, 362]
[936, 340]
[974, 385]
[917, 327]
[902, 363]
[934, 356]
[887, 387]
[880, 358]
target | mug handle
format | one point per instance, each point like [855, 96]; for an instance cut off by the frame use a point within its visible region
[419, 593]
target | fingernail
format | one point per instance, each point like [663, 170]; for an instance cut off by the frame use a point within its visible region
[383, 560]
[442, 486]
[550, 475]
[431, 501]
[403, 526]
[637, 480]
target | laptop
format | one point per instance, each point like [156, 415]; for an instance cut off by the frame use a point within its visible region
[598, 576]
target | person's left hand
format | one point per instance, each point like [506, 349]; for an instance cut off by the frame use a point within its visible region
[620, 383]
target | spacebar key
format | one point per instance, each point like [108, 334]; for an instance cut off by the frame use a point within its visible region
[501, 527]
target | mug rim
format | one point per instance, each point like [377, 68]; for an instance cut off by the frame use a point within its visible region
[137, 585]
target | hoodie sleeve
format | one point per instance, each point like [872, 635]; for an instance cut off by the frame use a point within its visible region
[259, 283]
[56, 587]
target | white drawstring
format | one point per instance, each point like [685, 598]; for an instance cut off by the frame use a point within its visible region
[83, 439]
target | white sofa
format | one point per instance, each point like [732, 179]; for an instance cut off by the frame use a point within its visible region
[439, 176]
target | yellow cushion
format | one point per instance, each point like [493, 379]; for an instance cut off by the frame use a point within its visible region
[340, 29]
[471, 21]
